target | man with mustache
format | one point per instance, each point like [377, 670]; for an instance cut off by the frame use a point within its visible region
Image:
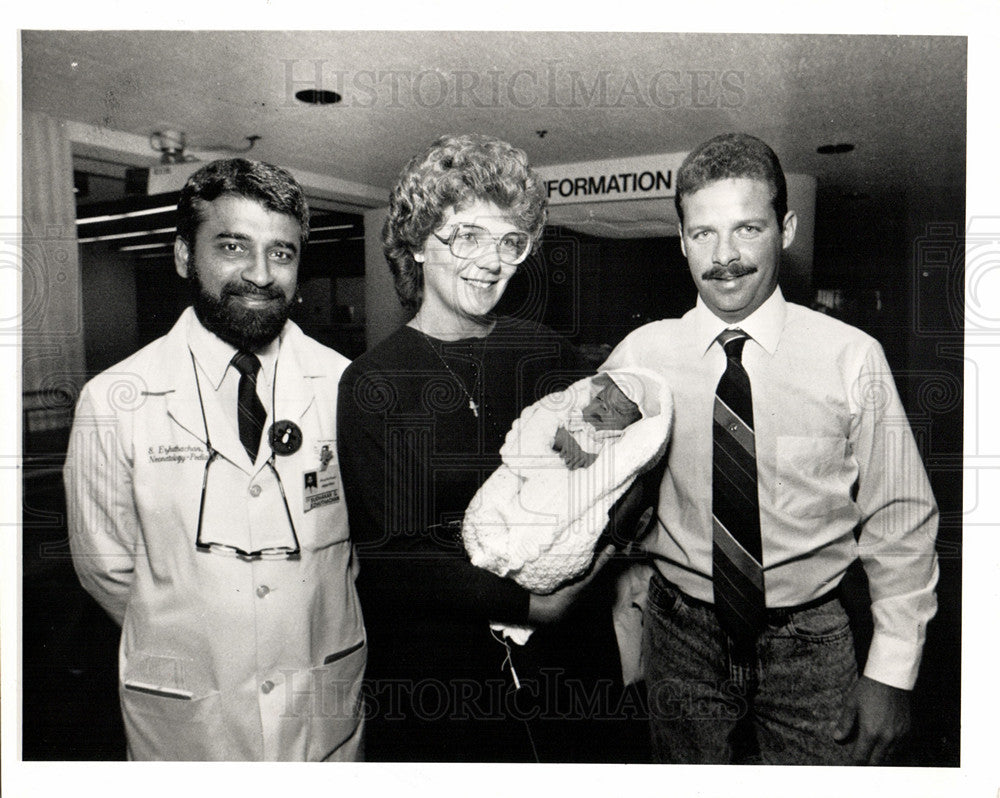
[791, 457]
[205, 508]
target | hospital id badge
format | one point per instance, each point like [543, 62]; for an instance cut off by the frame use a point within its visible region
[320, 485]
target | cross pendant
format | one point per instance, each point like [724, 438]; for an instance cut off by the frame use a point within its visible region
[474, 408]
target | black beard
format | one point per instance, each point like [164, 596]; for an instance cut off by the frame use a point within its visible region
[247, 329]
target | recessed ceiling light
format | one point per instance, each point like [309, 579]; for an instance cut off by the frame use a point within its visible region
[834, 149]
[317, 96]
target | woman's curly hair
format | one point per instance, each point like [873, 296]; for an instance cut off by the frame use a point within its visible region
[456, 171]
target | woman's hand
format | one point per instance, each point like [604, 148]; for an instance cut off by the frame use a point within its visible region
[553, 606]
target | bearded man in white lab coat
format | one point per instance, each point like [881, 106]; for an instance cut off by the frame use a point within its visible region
[205, 507]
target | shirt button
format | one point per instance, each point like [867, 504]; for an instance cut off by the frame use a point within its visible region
[262, 591]
[267, 687]
[255, 491]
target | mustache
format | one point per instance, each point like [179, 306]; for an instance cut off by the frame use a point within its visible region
[253, 291]
[727, 272]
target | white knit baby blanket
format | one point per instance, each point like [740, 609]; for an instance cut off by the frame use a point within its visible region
[535, 520]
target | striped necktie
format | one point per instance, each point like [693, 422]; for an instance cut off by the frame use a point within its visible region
[250, 411]
[737, 571]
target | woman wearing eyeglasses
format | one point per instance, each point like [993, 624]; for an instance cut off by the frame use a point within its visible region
[421, 418]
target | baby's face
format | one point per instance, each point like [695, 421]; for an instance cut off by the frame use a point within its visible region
[611, 409]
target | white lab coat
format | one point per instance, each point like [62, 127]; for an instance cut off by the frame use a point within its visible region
[220, 658]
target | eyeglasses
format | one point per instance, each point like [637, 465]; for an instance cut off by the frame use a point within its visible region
[467, 240]
[292, 552]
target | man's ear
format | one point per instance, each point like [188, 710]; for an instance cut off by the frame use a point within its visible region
[788, 229]
[680, 235]
[182, 256]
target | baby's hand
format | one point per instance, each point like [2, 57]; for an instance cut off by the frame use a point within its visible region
[569, 450]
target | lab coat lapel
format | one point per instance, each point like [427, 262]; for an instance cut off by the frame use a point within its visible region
[181, 392]
[295, 380]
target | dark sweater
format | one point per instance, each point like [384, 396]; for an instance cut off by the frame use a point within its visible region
[412, 455]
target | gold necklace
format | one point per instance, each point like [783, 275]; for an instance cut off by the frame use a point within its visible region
[479, 370]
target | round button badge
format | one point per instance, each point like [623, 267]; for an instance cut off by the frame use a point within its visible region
[285, 437]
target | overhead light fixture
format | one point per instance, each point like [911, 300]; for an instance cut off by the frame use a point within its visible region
[114, 217]
[834, 149]
[137, 247]
[330, 227]
[116, 236]
[318, 97]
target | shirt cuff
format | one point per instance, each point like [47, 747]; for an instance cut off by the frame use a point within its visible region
[893, 662]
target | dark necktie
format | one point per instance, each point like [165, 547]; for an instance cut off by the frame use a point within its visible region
[250, 411]
[737, 572]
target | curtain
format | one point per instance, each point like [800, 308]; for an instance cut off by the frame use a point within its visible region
[51, 318]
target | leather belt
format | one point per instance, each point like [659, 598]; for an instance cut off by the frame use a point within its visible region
[776, 616]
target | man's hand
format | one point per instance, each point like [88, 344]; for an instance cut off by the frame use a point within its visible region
[880, 716]
[569, 450]
[550, 608]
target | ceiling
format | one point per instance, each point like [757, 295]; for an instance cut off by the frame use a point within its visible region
[901, 100]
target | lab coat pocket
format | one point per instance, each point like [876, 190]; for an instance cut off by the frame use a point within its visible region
[332, 701]
[164, 718]
[323, 526]
[813, 477]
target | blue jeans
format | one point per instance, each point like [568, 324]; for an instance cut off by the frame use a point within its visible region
[784, 715]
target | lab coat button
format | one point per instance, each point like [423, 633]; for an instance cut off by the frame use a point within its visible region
[255, 491]
[262, 591]
[267, 687]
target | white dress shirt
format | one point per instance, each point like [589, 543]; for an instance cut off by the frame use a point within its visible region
[216, 372]
[835, 454]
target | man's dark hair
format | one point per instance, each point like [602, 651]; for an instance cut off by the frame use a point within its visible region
[732, 155]
[271, 186]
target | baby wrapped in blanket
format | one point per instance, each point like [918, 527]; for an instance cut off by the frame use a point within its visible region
[567, 459]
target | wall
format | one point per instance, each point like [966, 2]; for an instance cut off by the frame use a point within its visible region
[383, 313]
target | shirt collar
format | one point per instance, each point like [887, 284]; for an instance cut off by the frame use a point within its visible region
[214, 355]
[764, 325]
